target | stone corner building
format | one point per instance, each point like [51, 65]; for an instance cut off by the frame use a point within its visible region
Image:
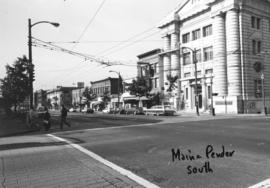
[229, 40]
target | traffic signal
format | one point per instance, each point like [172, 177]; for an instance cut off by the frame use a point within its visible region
[31, 72]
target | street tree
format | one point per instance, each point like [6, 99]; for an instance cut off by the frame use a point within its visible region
[106, 97]
[55, 101]
[172, 80]
[156, 99]
[89, 94]
[139, 87]
[15, 85]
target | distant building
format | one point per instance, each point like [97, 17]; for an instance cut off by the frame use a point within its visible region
[80, 84]
[148, 67]
[77, 96]
[108, 86]
[60, 95]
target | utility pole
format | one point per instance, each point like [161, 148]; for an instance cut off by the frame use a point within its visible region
[118, 100]
[212, 101]
[194, 61]
[30, 64]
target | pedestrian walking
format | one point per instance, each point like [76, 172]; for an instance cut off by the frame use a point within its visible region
[47, 119]
[64, 112]
[30, 117]
[33, 120]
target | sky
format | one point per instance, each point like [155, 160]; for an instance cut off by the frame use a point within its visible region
[114, 30]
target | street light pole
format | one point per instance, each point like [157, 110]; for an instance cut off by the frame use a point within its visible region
[263, 94]
[194, 60]
[118, 100]
[196, 84]
[212, 101]
[30, 62]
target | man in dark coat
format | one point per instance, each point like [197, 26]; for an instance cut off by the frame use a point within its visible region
[64, 112]
[47, 119]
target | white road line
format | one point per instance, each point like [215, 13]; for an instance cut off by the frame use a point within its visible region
[104, 128]
[117, 168]
[263, 184]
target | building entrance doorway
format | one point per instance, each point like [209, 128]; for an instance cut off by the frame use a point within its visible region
[199, 87]
[200, 96]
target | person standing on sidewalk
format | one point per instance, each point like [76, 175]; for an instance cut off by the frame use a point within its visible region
[64, 112]
[47, 119]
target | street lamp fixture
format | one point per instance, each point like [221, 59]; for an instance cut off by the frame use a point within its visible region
[194, 60]
[118, 92]
[30, 63]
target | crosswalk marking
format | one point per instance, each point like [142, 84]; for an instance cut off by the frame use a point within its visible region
[263, 184]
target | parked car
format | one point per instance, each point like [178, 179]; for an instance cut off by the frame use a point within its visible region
[134, 111]
[160, 110]
[107, 110]
[88, 110]
[72, 110]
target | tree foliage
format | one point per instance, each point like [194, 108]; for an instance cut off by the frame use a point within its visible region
[172, 80]
[106, 97]
[89, 94]
[15, 86]
[139, 87]
[156, 99]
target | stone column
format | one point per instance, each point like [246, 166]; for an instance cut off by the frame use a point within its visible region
[204, 94]
[161, 72]
[174, 40]
[219, 49]
[175, 60]
[167, 43]
[233, 53]
[166, 70]
[175, 64]
[166, 61]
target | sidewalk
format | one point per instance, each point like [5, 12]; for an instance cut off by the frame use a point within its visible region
[40, 161]
[10, 126]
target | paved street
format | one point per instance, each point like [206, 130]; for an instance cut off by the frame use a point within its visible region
[146, 151]
[144, 146]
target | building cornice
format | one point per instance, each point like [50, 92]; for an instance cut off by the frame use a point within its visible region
[176, 50]
[149, 53]
[106, 79]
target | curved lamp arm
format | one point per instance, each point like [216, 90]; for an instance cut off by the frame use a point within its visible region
[52, 23]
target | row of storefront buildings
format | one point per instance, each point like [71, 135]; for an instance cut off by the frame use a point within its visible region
[217, 51]
[74, 96]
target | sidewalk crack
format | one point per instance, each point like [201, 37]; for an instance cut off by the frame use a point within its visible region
[3, 173]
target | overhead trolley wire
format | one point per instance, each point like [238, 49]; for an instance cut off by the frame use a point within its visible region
[89, 23]
[129, 39]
